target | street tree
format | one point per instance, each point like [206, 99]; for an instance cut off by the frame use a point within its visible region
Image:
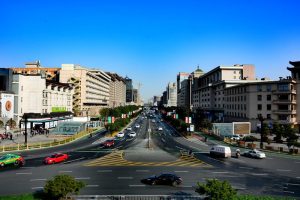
[61, 186]
[215, 189]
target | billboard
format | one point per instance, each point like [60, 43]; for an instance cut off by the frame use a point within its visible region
[7, 105]
[241, 128]
[58, 109]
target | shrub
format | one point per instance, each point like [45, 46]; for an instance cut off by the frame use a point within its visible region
[61, 186]
[215, 190]
[249, 138]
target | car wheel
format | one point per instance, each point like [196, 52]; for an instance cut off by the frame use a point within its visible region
[153, 183]
[17, 163]
[174, 183]
[2, 164]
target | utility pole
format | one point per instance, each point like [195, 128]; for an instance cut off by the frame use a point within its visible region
[25, 121]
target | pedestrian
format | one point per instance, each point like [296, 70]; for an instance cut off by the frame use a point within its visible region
[10, 136]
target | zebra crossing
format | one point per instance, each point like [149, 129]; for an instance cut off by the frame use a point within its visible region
[116, 159]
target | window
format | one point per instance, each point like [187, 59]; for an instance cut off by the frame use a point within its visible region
[22, 88]
[259, 106]
[268, 106]
[259, 88]
[268, 116]
[268, 97]
[234, 72]
[283, 87]
[259, 97]
[269, 88]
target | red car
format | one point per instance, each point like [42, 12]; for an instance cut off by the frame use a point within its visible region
[56, 158]
[109, 143]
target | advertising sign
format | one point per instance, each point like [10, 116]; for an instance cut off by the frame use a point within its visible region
[59, 109]
[7, 105]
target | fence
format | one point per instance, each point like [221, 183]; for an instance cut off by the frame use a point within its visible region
[136, 197]
[39, 145]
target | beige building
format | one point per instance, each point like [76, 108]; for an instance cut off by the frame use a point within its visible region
[34, 94]
[91, 91]
[117, 90]
[228, 94]
[208, 89]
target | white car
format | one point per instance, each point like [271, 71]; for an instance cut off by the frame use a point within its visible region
[120, 135]
[137, 126]
[254, 154]
[160, 128]
[235, 137]
[132, 134]
[129, 128]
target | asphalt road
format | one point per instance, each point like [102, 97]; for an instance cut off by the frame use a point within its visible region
[118, 170]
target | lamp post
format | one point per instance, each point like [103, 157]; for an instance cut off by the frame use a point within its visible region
[25, 121]
[261, 119]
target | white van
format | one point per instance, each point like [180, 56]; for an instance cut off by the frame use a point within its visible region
[220, 151]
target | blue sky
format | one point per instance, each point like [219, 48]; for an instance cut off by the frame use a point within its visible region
[152, 40]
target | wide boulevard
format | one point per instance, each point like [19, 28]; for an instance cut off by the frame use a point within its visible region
[119, 170]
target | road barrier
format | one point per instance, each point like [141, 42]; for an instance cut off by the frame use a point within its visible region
[40, 145]
[136, 197]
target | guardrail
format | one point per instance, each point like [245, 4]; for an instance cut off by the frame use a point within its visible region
[40, 145]
[136, 197]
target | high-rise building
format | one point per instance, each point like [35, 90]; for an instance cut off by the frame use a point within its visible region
[182, 83]
[171, 95]
[129, 90]
[91, 91]
[117, 90]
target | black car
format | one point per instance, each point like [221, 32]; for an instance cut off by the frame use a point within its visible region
[163, 179]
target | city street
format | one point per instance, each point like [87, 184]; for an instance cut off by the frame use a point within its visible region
[118, 170]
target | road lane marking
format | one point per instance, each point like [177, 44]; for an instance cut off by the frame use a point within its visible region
[137, 185]
[246, 168]
[92, 186]
[74, 160]
[283, 170]
[24, 173]
[298, 177]
[179, 147]
[125, 177]
[181, 171]
[220, 172]
[294, 184]
[290, 192]
[185, 186]
[141, 170]
[64, 171]
[27, 167]
[297, 162]
[108, 170]
[82, 178]
[256, 174]
[37, 188]
[38, 179]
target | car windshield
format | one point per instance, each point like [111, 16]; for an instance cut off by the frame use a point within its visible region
[4, 157]
[109, 141]
[53, 156]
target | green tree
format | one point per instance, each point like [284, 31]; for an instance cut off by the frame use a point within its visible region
[290, 134]
[1, 124]
[61, 186]
[265, 131]
[277, 131]
[215, 190]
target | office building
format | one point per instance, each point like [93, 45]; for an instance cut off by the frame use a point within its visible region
[117, 90]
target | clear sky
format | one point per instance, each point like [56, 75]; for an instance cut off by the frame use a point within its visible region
[152, 40]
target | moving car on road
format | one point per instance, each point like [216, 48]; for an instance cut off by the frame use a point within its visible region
[220, 151]
[109, 143]
[132, 134]
[11, 159]
[56, 158]
[120, 135]
[129, 128]
[254, 154]
[137, 126]
[160, 128]
[163, 179]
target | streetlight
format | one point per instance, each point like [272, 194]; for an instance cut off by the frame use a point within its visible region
[261, 119]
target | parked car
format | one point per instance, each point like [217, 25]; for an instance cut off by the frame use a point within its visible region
[129, 128]
[254, 154]
[163, 179]
[220, 151]
[109, 143]
[120, 135]
[132, 134]
[56, 158]
[11, 159]
[160, 128]
[137, 126]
